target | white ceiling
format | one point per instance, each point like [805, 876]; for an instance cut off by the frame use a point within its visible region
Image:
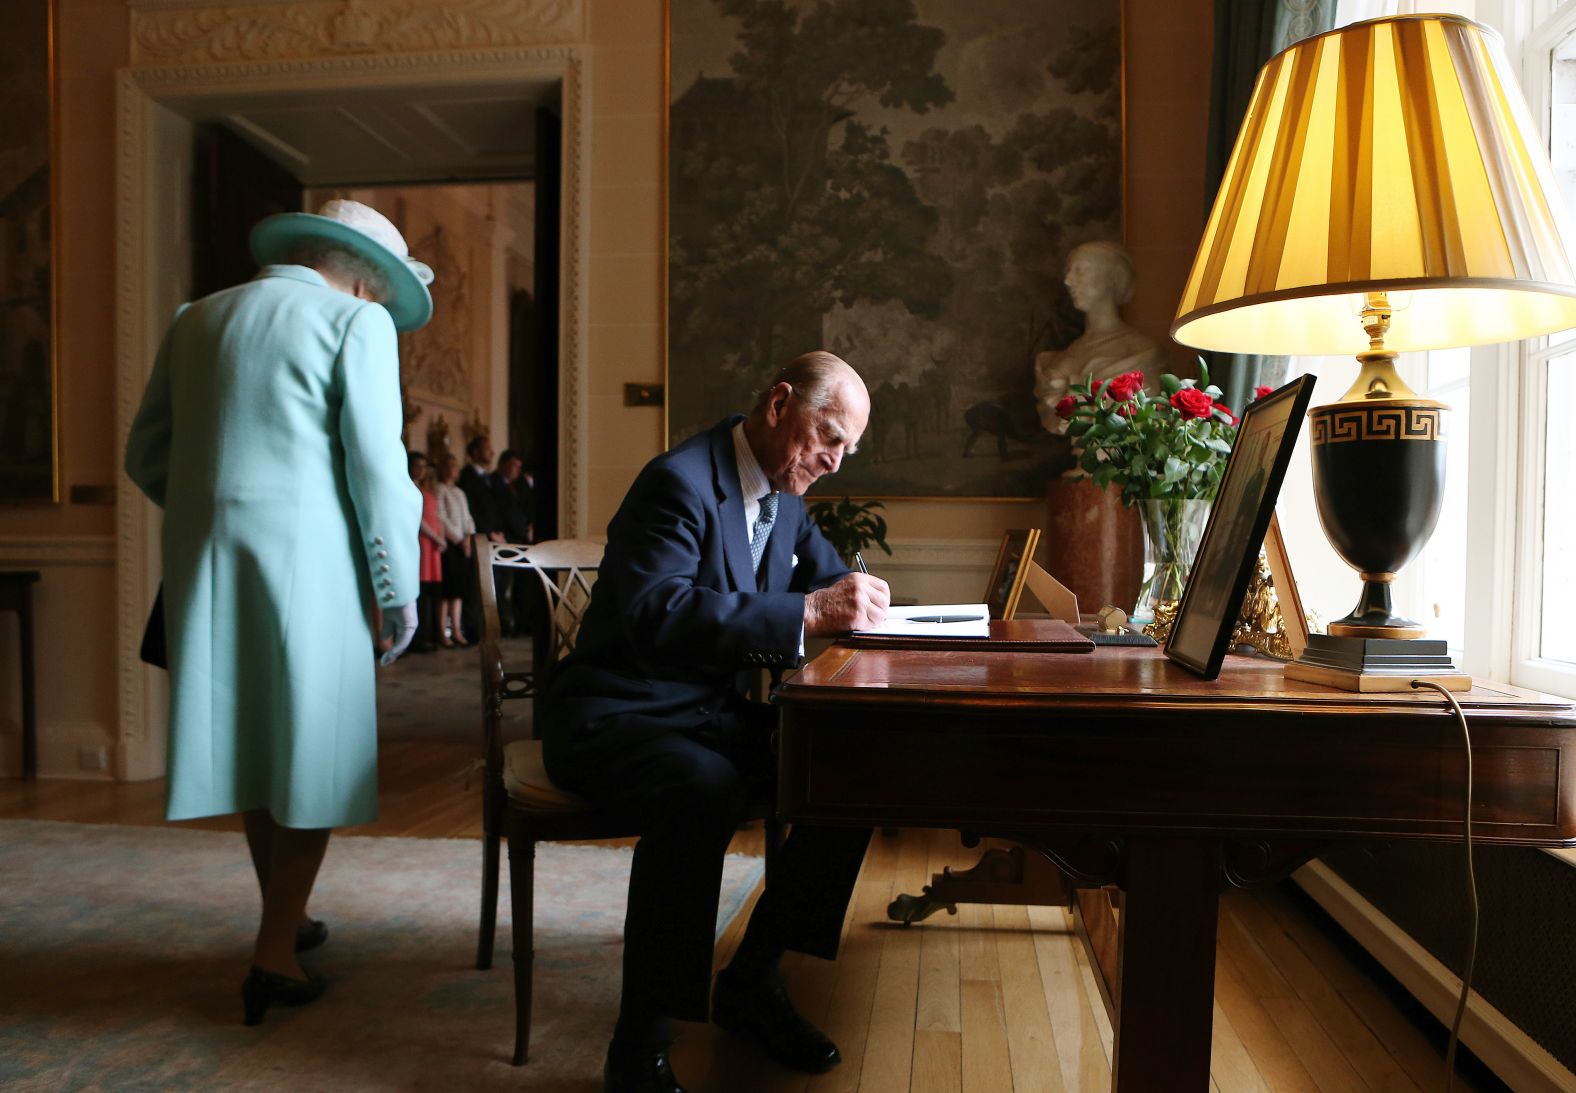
[437, 134]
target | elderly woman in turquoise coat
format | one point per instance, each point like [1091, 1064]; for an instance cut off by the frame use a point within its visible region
[270, 436]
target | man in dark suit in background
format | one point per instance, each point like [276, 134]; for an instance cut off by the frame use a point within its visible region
[713, 569]
[512, 590]
[476, 482]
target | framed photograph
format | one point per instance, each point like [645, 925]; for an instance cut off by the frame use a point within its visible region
[1229, 552]
[900, 184]
[27, 270]
[1008, 574]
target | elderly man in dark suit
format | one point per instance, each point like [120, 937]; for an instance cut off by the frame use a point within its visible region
[712, 569]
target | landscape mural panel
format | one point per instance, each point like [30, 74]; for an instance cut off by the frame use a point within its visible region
[898, 181]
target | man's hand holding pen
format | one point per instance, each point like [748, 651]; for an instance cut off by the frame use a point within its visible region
[857, 602]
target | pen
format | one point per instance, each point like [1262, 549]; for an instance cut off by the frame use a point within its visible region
[859, 560]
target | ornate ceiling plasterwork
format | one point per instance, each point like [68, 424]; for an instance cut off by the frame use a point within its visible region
[314, 28]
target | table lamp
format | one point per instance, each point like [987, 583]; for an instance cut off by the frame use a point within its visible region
[1388, 192]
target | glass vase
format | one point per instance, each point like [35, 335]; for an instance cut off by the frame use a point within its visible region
[1172, 530]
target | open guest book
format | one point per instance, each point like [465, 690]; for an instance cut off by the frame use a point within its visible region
[903, 630]
[946, 620]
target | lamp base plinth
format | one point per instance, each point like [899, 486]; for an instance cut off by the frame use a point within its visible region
[1376, 664]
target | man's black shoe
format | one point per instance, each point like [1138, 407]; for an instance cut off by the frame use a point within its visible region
[639, 1072]
[760, 1012]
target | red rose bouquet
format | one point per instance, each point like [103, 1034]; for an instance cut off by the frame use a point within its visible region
[1153, 447]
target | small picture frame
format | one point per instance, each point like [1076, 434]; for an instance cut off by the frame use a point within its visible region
[1293, 618]
[1238, 521]
[1007, 576]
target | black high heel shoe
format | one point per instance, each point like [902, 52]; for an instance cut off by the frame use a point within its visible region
[310, 936]
[262, 989]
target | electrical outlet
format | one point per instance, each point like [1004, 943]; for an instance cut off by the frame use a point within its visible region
[94, 757]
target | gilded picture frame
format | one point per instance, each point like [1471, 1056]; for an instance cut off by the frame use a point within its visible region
[29, 426]
[912, 211]
[1010, 571]
[1228, 554]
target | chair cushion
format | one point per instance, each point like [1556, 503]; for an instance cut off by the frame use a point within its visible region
[525, 780]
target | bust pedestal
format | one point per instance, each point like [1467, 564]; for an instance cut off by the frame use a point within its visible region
[1092, 544]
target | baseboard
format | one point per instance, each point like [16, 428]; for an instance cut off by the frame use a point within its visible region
[1510, 1053]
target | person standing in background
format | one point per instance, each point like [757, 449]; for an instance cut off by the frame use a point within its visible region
[512, 592]
[458, 527]
[269, 434]
[476, 479]
[432, 544]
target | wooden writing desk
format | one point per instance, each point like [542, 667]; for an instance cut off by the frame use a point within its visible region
[1123, 768]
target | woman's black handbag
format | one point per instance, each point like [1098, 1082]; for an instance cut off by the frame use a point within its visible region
[153, 650]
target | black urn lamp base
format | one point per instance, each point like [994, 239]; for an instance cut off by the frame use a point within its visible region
[1377, 664]
[1373, 616]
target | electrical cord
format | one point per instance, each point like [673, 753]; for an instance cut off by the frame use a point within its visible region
[1472, 895]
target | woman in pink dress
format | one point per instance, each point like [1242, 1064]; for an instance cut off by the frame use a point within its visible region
[432, 544]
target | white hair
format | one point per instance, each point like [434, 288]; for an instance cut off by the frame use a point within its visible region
[341, 262]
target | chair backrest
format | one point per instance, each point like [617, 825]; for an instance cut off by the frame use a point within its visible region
[566, 570]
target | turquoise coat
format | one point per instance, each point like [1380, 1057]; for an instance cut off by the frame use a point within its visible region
[270, 436]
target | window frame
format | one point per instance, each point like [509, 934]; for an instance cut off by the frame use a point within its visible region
[1521, 416]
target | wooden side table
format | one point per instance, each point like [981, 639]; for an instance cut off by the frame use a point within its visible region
[16, 594]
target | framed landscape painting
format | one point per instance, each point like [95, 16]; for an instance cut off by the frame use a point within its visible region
[27, 380]
[900, 182]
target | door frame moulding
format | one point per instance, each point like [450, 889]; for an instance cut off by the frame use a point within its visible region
[139, 93]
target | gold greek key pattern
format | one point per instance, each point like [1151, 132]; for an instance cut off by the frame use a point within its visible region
[1378, 423]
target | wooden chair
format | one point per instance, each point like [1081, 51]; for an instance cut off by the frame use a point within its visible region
[520, 803]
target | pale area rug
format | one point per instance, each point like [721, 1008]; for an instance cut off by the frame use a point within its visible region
[122, 951]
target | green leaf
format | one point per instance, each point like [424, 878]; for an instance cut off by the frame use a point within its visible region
[1170, 385]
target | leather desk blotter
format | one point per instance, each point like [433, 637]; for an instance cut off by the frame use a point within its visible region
[1006, 636]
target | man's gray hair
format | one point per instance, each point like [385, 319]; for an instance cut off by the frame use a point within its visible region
[814, 377]
[340, 261]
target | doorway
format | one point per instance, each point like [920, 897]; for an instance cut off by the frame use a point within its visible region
[486, 365]
[430, 102]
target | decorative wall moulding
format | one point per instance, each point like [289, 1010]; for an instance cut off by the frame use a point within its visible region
[942, 554]
[172, 32]
[55, 550]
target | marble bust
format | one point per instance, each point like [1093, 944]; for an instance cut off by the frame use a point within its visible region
[1100, 280]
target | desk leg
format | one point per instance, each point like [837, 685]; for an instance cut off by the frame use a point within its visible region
[1166, 1000]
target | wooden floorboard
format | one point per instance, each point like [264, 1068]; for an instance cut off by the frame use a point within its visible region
[994, 999]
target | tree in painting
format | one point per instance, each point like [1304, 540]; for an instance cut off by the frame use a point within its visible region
[837, 190]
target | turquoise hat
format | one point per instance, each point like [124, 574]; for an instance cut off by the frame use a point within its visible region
[368, 233]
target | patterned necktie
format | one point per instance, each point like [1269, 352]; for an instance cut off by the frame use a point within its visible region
[763, 530]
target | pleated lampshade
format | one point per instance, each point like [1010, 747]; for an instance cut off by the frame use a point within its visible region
[1392, 155]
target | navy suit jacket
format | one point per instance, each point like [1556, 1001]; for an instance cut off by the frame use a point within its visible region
[676, 616]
